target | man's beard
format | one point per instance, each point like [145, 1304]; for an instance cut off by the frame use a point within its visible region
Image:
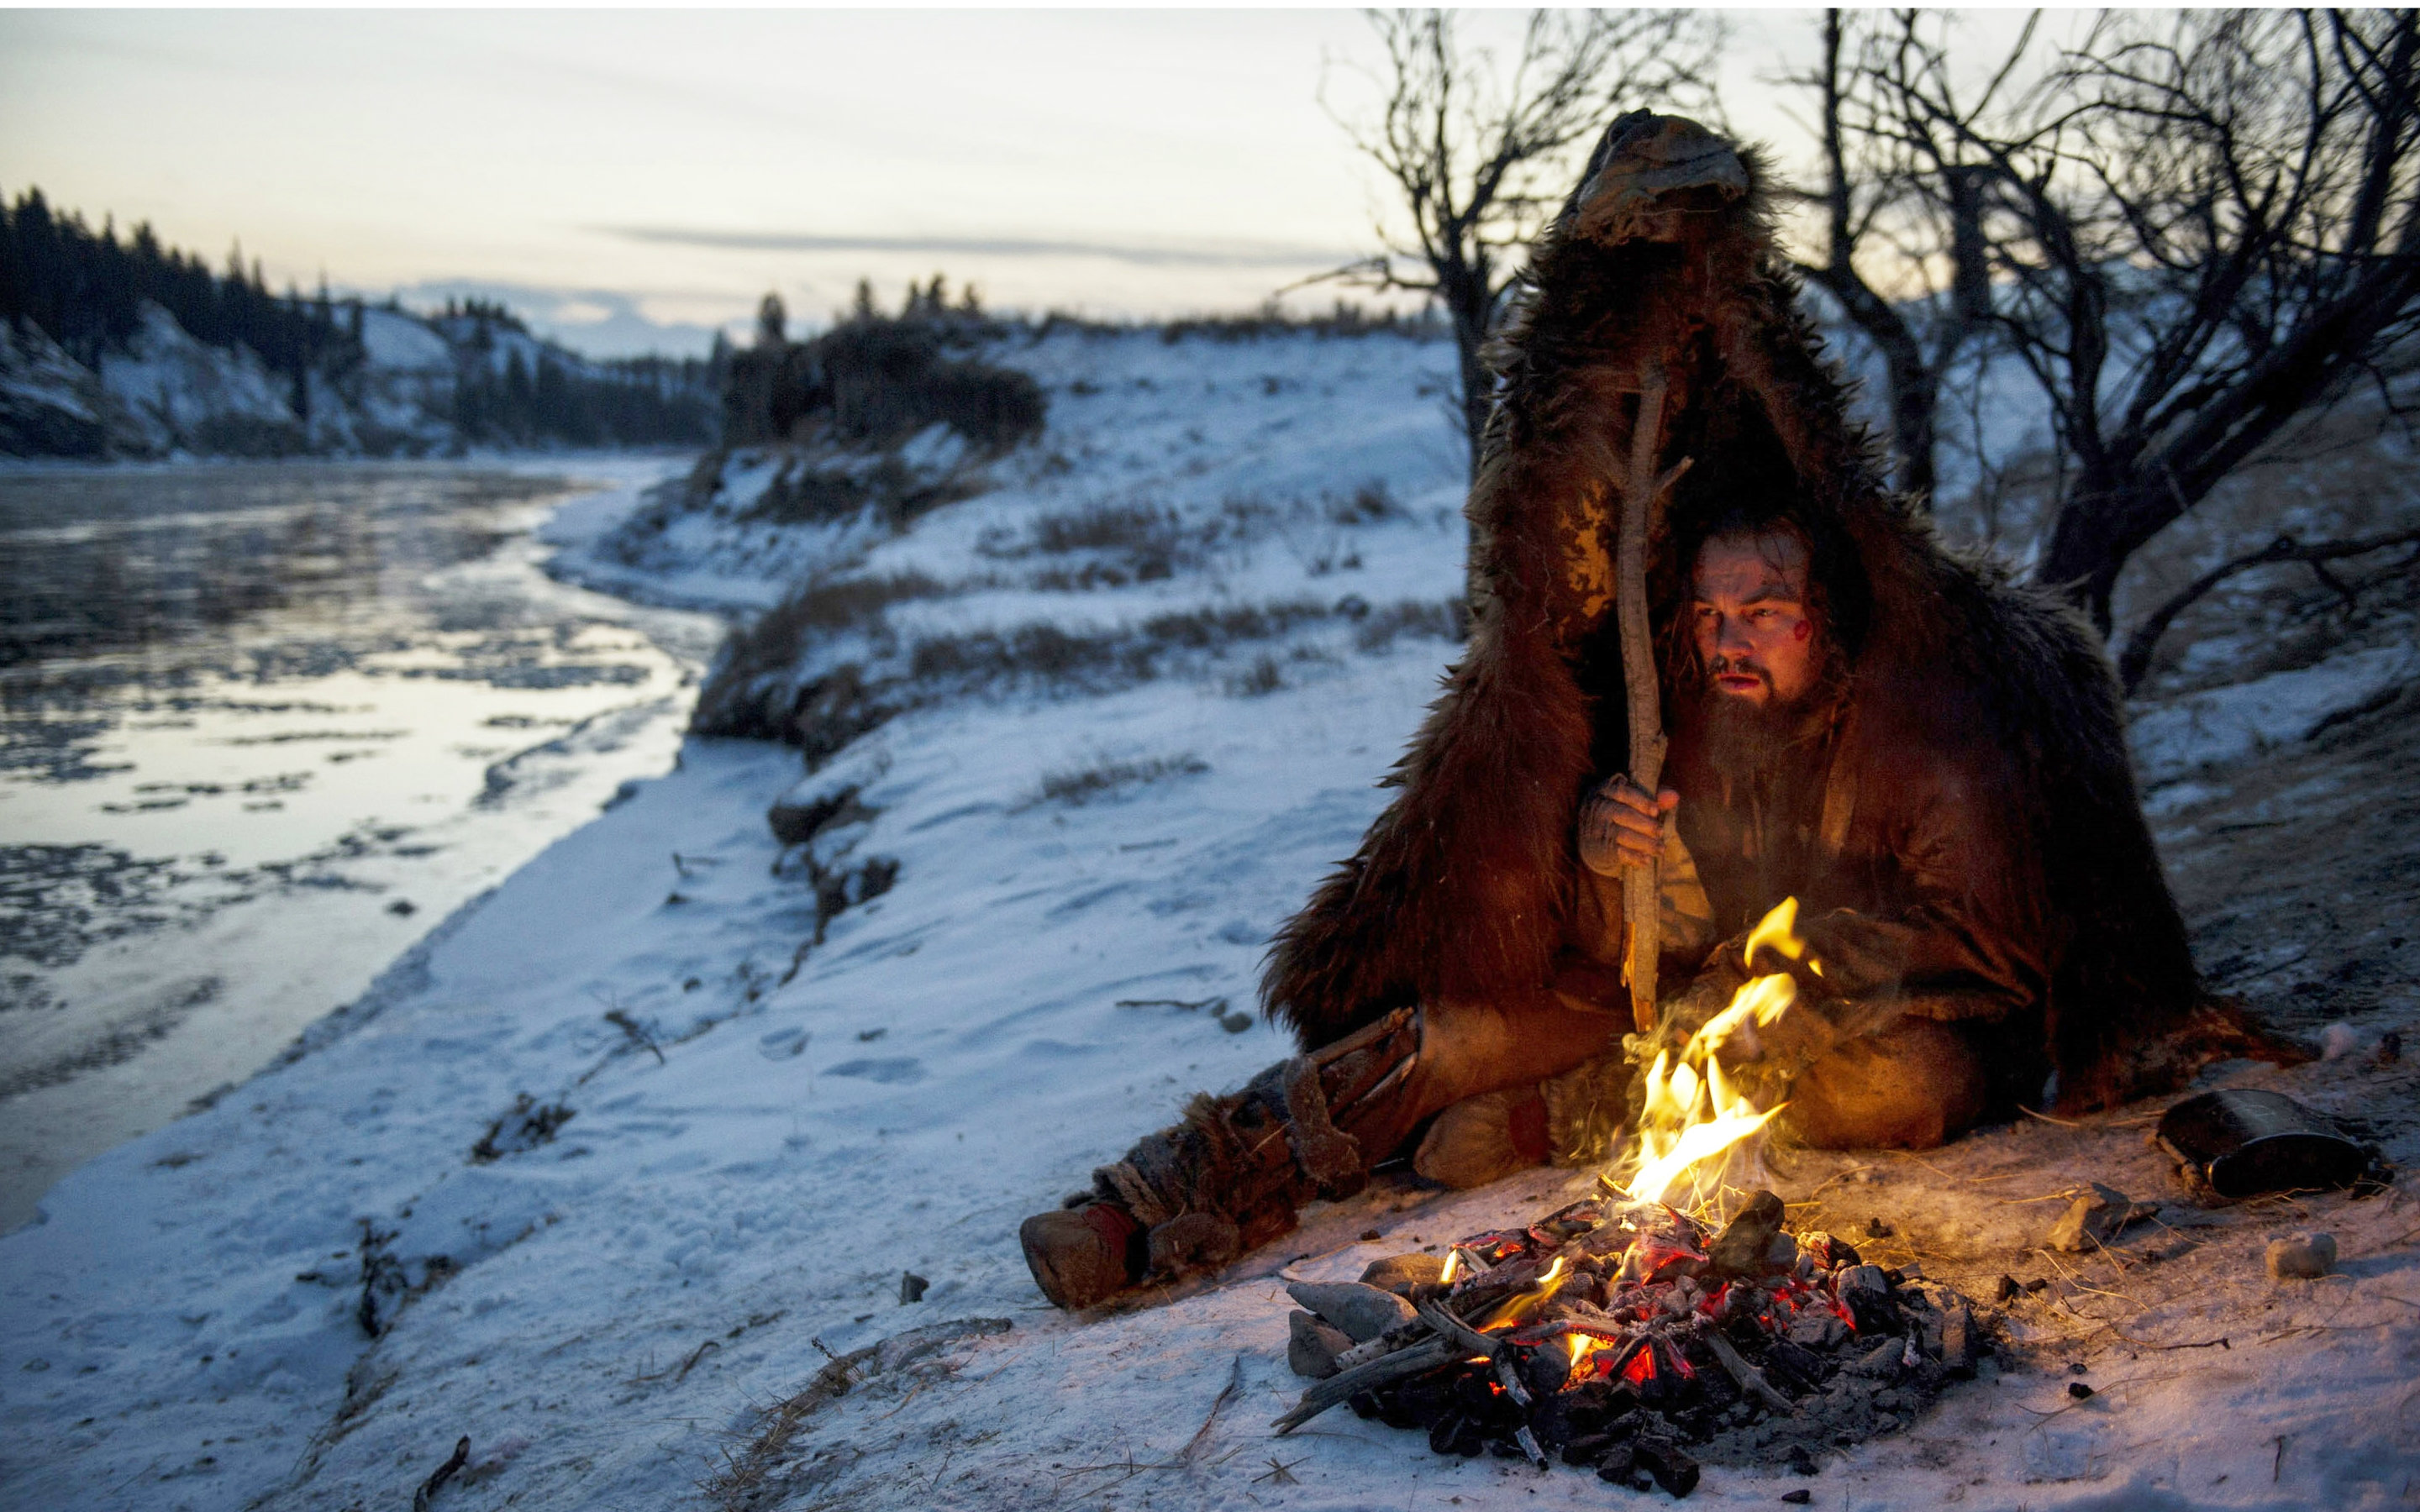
[1743, 736]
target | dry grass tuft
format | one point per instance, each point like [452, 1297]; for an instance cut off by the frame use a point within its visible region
[1442, 619]
[1111, 779]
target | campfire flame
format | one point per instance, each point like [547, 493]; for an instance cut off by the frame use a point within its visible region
[1523, 1305]
[1694, 1120]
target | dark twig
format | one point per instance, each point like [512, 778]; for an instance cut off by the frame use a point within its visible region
[637, 1035]
[1201, 1435]
[455, 1461]
[2136, 661]
[2219, 1342]
[1750, 1379]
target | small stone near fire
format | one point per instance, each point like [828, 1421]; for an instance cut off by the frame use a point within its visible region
[2096, 1218]
[1801, 1462]
[1799, 1497]
[2302, 1256]
[2040, 1283]
[1400, 1273]
[1876, 1228]
[2078, 1390]
[1370, 1234]
[2009, 1289]
[1312, 1346]
[912, 1287]
[1362, 1312]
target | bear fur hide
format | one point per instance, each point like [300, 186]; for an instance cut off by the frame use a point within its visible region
[1466, 886]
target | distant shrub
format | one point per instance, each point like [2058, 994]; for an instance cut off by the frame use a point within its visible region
[1368, 504]
[1444, 619]
[1264, 676]
[1042, 653]
[750, 692]
[874, 381]
[1109, 777]
[1108, 527]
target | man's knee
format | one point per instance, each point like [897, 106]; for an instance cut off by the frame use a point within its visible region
[1916, 1085]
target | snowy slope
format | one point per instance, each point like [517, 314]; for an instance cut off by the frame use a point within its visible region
[718, 1144]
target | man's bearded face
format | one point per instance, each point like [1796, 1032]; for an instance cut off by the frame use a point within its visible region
[1756, 640]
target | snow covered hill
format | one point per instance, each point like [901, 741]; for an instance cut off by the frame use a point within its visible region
[603, 1175]
[164, 394]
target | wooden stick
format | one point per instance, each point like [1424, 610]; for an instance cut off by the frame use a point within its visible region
[1640, 883]
[1750, 1379]
[1326, 1393]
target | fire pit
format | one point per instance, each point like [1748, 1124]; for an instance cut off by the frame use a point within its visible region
[1671, 1316]
[1627, 1337]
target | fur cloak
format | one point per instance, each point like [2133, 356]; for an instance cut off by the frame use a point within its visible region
[1466, 886]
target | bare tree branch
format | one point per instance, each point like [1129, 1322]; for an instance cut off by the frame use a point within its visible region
[2198, 227]
[1479, 148]
[2136, 662]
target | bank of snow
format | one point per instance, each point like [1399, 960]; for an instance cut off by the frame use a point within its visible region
[718, 1144]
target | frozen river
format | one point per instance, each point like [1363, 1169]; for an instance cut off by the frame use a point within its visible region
[261, 728]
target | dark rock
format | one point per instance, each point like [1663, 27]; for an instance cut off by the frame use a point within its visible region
[912, 1287]
[1742, 1247]
[2303, 1256]
[1400, 1273]
[1441, 1435]
[2096, 1218]
[1312, 1346]
[2078, 1390]
[1587, 1450]
[1799, 1497]
[1363, 1312]
[2007, 1291]
[1618, 1464]
[1672, 1466]
[1959, 1345]
[1801, 1462]
[1865, 1291]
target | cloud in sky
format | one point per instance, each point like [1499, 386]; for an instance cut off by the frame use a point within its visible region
[1199, 254]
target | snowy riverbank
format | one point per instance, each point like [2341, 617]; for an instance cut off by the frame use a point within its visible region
[614, 1158]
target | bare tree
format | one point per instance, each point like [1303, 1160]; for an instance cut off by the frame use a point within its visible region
[1480, 147]
[2200, 227]
[1900, 237]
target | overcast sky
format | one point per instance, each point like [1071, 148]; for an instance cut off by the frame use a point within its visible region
[636, 178]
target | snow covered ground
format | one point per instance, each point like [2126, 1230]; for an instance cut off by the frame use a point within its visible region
[602, 1172]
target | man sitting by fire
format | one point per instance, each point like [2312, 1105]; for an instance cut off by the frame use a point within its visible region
[1925, 758]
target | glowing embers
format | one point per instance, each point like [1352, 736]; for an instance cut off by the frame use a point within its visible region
[1694, 1125]
[1628, 1338]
